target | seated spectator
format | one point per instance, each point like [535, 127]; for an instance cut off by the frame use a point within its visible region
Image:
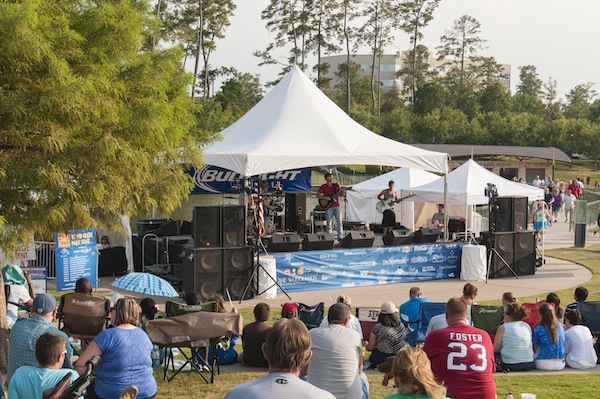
[193, 298]
[289, 310]
[412, 307]
[513, 340]
[31, 381]
[413, 376]
[549, 341]
[336, 362]
[353, 324]
[437, 322]
[508, 298]
[149, 310]
[125, 351]
[580, 295]
[469, 295]
[287, 351]
[25, 333]
[18, 290]
[387, 337]
[555, 301]
[254, 336]
[579, 343]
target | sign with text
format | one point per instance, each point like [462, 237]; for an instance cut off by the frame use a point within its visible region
[76, 257]
[39, 278]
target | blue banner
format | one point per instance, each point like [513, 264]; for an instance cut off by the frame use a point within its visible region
[319, 270]
[76, 257]
[215, 180]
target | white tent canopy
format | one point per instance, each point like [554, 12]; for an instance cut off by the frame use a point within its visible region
[295, 125]
[467, 184]
[362, 198]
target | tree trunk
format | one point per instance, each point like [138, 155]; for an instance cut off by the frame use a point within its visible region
[3, 330]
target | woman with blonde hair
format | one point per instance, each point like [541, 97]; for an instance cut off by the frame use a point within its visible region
[549, 341]
[413, 376]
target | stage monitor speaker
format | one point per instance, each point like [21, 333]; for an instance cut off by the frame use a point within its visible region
[186, 227]
[203, 271]
[284, 243]
[511, 214]
[398, 237]
[315, 242]
[525, 254]
[505, 246]
[358, 239]
[207, 226]
[234, 226]
[424, 235]
[168, 228]
[237, 271]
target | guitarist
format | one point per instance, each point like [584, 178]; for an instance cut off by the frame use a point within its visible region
[388, 197]
[330, 192]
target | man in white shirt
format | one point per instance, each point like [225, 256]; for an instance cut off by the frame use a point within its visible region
[20, 291]
[579, 343]
[536, 181]
[336, 363]
[354, 323]
[570, 201]
[287, 351]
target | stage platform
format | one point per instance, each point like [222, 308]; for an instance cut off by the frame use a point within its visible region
[360, 267]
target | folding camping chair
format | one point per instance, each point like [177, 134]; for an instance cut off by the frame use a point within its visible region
[311, 316]
[590, 315]
[428, 310]
[487, 318]
[534, 313]
[83, 316]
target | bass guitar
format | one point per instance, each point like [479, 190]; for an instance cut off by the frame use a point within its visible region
[389, 204]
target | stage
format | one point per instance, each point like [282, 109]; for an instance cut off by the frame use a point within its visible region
[360, 267]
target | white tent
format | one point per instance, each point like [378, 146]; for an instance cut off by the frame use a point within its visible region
[362, 197]
[295, 125]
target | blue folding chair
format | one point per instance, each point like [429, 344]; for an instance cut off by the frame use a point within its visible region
[428, 310]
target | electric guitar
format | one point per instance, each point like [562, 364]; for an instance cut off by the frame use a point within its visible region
[390, 203]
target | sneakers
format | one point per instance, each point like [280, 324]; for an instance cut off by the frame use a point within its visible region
[367, 365]
[129, 393]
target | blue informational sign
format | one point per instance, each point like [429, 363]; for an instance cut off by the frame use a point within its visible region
[215, 180]
[76, 257]
[39, 278]
[358, 267]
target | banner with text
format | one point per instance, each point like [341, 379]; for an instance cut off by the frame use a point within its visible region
[76, 257]
[215, 180]
[319, 270]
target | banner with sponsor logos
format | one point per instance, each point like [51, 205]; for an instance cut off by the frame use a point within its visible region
[76, 257]
[340, 268]
[215, 180]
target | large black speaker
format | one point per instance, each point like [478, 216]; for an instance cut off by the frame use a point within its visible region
[148, 225]
[237, 271]
[398, 237]
[504, 245]
[322, 241]
[207, 226]
[511, 214]
[358, 239]
[234, 226]
[285, 243]
[296, 213]
[525, 255]
[424, 235]
[203, 271]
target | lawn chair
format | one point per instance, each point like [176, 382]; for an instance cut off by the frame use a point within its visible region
[428, 310]
[487, 318]
[311, 316]
[83, 316]
[367, 317]
[534, 313]
[590, 315]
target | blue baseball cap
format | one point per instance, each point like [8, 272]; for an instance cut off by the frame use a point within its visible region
[43, 304]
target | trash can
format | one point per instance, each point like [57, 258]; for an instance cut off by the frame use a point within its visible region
[580, 235]
[580, 223]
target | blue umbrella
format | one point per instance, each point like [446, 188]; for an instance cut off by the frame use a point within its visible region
[145, 283]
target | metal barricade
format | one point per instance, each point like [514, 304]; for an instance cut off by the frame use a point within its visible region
[45, 257]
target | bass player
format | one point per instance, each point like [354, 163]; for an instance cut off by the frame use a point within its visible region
[328, 195]
[388, 198]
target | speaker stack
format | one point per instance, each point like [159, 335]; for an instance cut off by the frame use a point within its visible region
[316, 242]
[219, 259]
[511, 214]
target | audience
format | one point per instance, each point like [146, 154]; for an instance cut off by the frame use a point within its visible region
[508, 297]
[549, 340]
[580, 295]
[254, 336]
[469, 295]
[353, 323]
[513, 340]
[413, 376]
[149, 309]
[553, 299]
[289, 310]
[412, 308]
[462, 357]
[18, 291]
[579, 343]
[31, 381]
[336, 362]
[387, 337]
[287, 351]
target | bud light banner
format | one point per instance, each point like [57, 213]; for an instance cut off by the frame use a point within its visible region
[215, 180]
[358, 267]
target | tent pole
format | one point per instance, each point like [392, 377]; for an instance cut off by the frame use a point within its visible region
[445, 207]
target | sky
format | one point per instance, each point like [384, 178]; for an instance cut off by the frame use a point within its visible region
[557, 36]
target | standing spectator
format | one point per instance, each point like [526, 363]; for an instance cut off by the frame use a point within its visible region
[287, 351]
[25, 333]
[354, 323]
[513, 340]
[254, 336]
[549, 341]
[574, 187]
[570, 201]
[387, 337]
[548, 197]
[580, 295]
[579, 343]
[588, 180]
[462, 357]
[537, 182]
[18, 291]
[412, 308]
[597, 222]
[336, 362]
[556, 204]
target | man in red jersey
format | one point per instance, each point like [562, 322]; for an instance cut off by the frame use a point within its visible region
[462, 357]
[328, 195]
